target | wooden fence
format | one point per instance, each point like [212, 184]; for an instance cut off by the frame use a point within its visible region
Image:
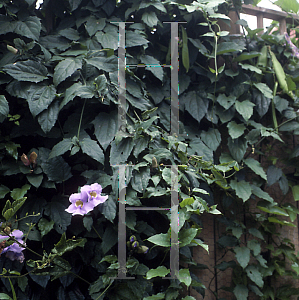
[260, 12]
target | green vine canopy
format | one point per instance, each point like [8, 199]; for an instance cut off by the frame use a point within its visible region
[61, 151]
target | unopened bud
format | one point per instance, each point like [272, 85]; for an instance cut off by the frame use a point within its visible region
[32, 157]
[25, 160]
[154, 162]
[12, 49]
[142, 249]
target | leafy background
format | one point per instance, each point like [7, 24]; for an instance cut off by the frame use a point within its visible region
[238, 104]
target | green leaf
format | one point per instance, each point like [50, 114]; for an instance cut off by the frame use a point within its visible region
[57, 169]
[6, 297]
[110, 238]
[155, 68]
[56, 211]
[242, 256]
[295, 190]
[211, 138]
[237, 148]
[186, 236]
[35, 179]
[105, 128]
[185, 50]
[3, 191]
[45, 226]
[70, 94]
[40, 96]
[291, 6]
[273, 174]
[4, 108]
[70, 33]
[66, 68]
[27, 70]
[161, 239]
[227, 47]
[10, 210]
[225, 101]
[245, 109]
[155, 297]
[242, 188]
[133, 38]
[88, 222]
[150, 18]
[65, 245]
[255, 246]
[48, 117]
[256, 167]
[241, 292]
[161, 271]
[257, 191]
[251, 68]
[12, 149]
[295, 267]
[62, 147]
[140, 179]
[195, 105]
[184, 276]
[108, 64]
[109, 209]
[93, 25]
[19, 193]
[30, 27]
[235, 130]
[108, 40]
[246, 56]
[264, 89]
[255, 232]
[92, 149]
[254, 274]
[120, 152]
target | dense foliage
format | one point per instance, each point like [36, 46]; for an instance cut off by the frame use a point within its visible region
[60, 141]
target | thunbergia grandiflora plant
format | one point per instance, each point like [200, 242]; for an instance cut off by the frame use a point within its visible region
[62, 157]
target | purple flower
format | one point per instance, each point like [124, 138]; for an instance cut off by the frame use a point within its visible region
[295, 51]
[86, 200]
[14, 251]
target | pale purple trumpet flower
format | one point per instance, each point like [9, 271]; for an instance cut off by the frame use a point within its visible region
[14, 251]
[295, 51]
[85, 201]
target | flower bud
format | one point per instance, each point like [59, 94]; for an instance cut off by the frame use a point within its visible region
[12, 49]
[135, 244]
[25, 160]
[154, 162]
[132, 238]
[32, 157]
[142, 249]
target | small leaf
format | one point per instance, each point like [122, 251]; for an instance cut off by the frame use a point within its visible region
[150, 18]
[161, 271]
[45, 226]
[235, 130]
[254, 274]
[17, 193]
[264, 89]
[65, 245]
[62, 147]
[242, 256]
[245, 109]
[4, 108]
[184, 276]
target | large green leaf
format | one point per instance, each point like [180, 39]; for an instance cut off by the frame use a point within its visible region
[108, 64]
[133, 38]
[56, 211]
[245, 109]
[161, 239]
[70, 93]
[28, 70]
[62, 147]
[184, 276]
[235, 130]
[140, 179]
[195, 105]
[226, 101]
[257, 191]
[153, 65]
[291, 6]
[266, 91]
[242, 256]
[256, 167]
[120, 152]
[40, 96]
[241, 292]
[227, 47]
[30, 27]
[92, 149]
[186, 236]
[211, 138]
[109, 209]
[237, 148]
[93, 25]
[48, 117]
[242, 188]
[105, 128]
[254, 274]
[108, 40]
[4, 108]
[66, 68]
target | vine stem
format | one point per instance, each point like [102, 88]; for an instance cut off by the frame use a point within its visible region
[105, 290]
[96, 232]
[81, 117]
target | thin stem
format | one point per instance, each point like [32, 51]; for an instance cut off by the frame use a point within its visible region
[105, 290]
[80, 122]
[96, 232]
[273, 108]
